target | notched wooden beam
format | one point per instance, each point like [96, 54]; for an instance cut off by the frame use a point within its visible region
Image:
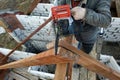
[87, 61]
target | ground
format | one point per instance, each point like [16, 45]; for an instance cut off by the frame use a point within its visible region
[111, 48]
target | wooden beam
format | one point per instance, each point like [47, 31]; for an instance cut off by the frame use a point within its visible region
[60, 72]
[87, 61]
[61, 69]
[44, 58]
[90, 63]
[69, 71]
[118, 7]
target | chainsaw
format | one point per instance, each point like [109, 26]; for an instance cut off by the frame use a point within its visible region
[60, 15]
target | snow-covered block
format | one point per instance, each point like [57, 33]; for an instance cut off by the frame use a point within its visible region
[30, 24]
[43, 10]
[18, 34]
[111, 36]
[112, 33]
[40, 45]
[110, 61]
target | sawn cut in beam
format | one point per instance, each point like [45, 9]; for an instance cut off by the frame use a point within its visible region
[44, 58]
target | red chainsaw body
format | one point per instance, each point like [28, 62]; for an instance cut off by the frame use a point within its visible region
[59, 12]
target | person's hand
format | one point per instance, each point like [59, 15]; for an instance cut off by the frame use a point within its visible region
[78, 13]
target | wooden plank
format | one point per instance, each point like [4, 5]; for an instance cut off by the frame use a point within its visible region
[60, 72]
[44, 58]
[118, 7]
[69, 72]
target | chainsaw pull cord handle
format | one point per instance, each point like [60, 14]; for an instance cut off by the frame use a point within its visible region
[26, 39]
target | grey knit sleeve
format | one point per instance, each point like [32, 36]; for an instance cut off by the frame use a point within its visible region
[101, 16]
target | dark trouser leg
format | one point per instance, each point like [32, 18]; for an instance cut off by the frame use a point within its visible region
[87, 47]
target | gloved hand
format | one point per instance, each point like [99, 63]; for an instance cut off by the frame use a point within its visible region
[78, 12]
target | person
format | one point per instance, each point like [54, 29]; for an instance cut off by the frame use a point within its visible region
[87, 20]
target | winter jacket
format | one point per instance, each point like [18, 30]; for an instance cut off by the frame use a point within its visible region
[97, 15]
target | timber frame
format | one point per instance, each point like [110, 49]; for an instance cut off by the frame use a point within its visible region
[65, 58]
[67, 54]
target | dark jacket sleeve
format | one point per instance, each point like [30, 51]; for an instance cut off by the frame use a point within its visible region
[101, 16]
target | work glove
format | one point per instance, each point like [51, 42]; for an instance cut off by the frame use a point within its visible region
[78, 13]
